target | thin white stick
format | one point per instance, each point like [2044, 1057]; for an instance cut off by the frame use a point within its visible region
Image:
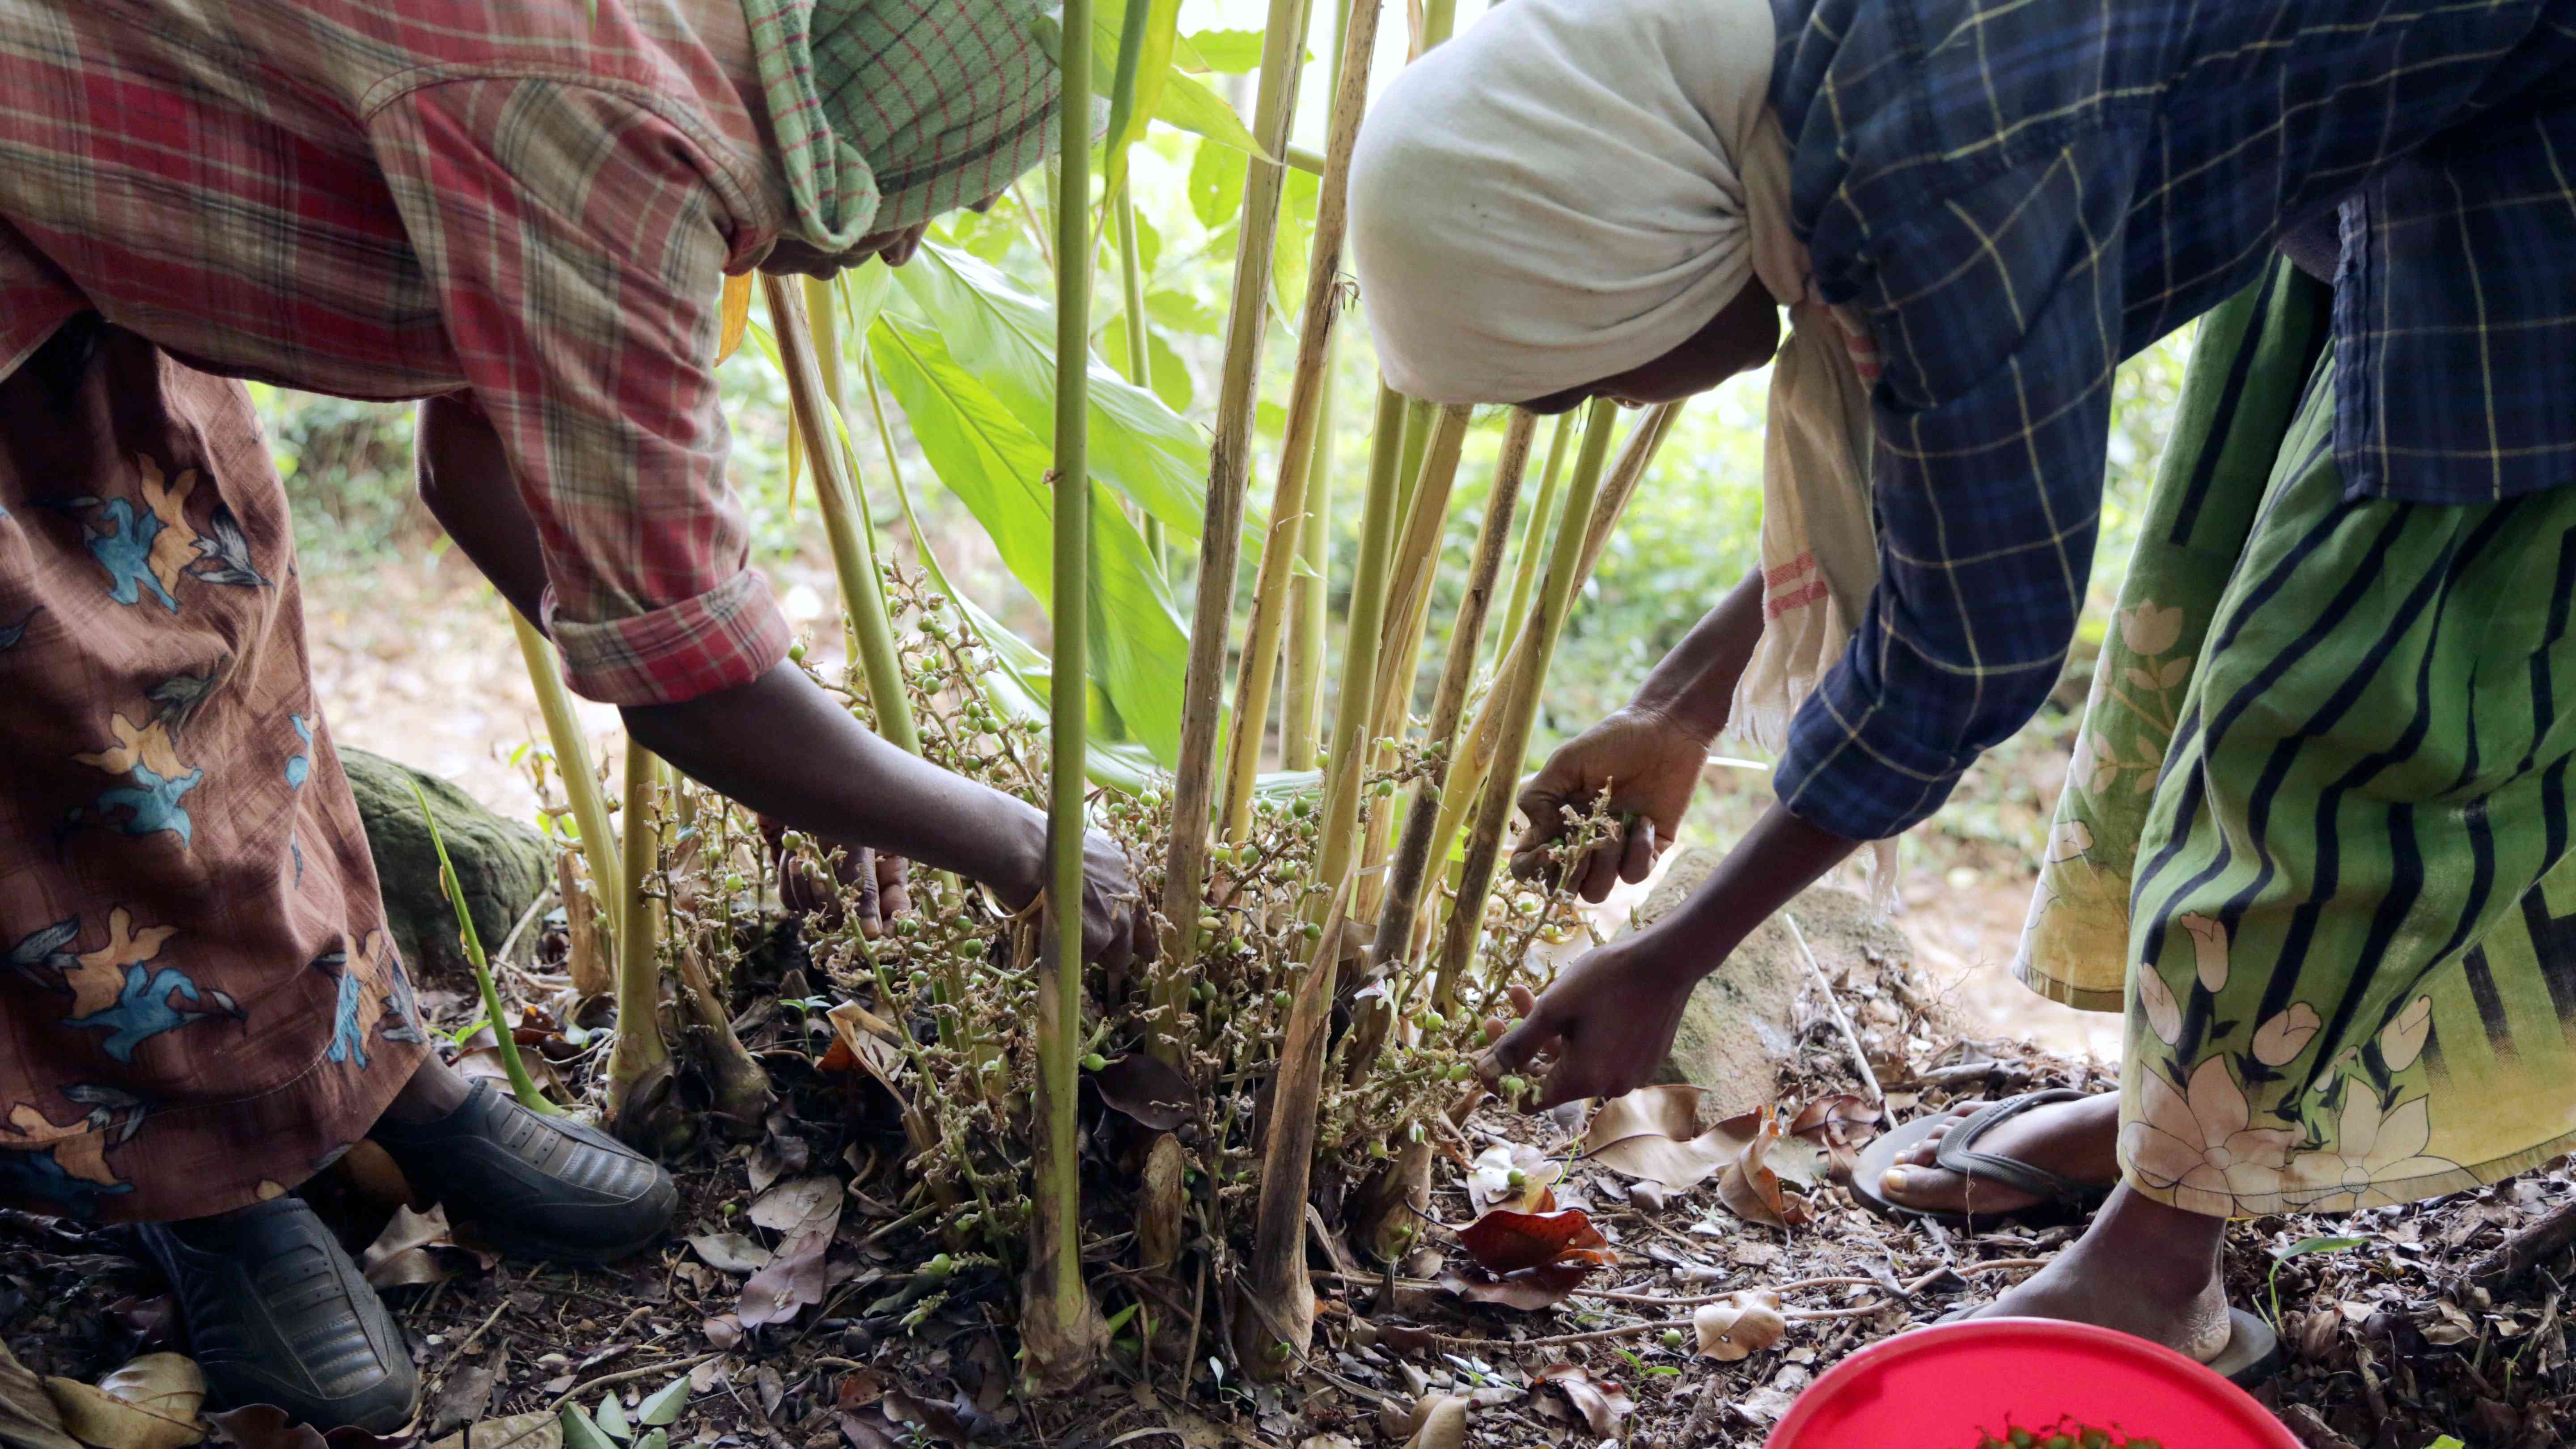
[1851, 1038]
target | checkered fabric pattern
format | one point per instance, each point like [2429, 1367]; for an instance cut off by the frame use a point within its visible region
[505, 197]
[2018, 194]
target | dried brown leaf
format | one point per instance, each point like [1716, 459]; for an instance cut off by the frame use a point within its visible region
[1845, 1118]
[151, 1403]
[1529, 1289]
[28, 1416]
[1442, 1424]
[415, 1248]
[730, 1253]
[1149, 1090]
[517, 1431]
[1489, 1179]
[1739, 1324]
[1602, 1405]
[806, 1211]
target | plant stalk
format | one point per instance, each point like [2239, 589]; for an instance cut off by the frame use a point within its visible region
[1277, 1325]
[814, 396]
[572, 763]
[1417, 559]
[1534, 534]
[1477, 751]
[1348, 765]
[639, 1067]
[1301, 703]
[522, 1086]
[1221, 536]
[1410, 870]
[1302, 438]
[1519, 697]
[1061, 1330]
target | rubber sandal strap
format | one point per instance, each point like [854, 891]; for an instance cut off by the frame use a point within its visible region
[1957, 1152]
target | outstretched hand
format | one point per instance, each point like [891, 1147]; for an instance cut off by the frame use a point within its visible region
[1601, 1030]
[1646, 763]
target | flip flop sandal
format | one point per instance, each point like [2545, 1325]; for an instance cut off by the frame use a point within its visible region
[2062, 1198]
[2253, 1351]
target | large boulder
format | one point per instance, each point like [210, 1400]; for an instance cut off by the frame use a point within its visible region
[501, 864]
[1742, 1022]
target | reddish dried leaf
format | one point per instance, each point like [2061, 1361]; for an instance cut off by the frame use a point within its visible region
[1504, 1241]
[1529, 1289]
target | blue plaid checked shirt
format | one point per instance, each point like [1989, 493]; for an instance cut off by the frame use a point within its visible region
[2019, 194]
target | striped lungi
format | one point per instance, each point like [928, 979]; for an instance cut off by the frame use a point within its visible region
[2313, 838]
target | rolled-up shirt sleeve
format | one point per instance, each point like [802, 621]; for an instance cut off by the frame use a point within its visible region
[575, 242]
[1988, 496]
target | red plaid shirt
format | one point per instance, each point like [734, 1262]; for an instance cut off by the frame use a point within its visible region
[396, 200]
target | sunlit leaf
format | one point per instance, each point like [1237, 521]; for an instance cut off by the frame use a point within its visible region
[1170, 375]
[1229, 52]
[998, 468]
[1216, 184]
[736, 310]
[1006, 338]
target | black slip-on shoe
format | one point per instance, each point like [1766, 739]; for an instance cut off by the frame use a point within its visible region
[544, 1187]
[277, 1314]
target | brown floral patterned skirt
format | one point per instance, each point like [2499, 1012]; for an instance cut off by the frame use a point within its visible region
[199, 1006]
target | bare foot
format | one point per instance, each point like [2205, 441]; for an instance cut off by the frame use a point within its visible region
[2075, 1140]
[2142, 1268]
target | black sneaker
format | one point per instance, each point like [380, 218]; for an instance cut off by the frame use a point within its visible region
[544, 1187]
[277, 1314]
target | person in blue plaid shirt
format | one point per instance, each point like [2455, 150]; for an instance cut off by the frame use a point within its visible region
[2312, 837]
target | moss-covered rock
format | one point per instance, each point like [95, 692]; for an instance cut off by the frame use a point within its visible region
[501, 863]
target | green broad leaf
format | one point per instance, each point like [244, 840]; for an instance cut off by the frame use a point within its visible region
[666, 1403]
[1140, 447]
[1149, 245]
[864, 290]
[2306, 1246]
[580, 1433]
[1216, 185]
[1188, 104]
[1181, 312]
[1228, 52]
[611, 1418]
[997, 466]
[1169, 374]
[658, 1439]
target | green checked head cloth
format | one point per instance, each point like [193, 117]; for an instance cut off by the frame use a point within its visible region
[890, 112]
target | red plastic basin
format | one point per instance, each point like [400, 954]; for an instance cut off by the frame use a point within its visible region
[1941, 1388]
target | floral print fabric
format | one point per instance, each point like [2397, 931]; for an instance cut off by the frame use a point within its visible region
[199, 1006]
[2313, 838]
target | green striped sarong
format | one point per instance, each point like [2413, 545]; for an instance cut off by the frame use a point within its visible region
[2312, 839]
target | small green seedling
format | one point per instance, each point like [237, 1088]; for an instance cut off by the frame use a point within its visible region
[2301, 1249]
[522, 1085]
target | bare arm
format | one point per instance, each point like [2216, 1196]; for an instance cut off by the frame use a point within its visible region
[780, 745]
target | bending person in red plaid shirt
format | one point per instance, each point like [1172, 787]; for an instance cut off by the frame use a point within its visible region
[522, 212]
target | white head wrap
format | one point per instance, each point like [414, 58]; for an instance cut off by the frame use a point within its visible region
[1573, 188]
